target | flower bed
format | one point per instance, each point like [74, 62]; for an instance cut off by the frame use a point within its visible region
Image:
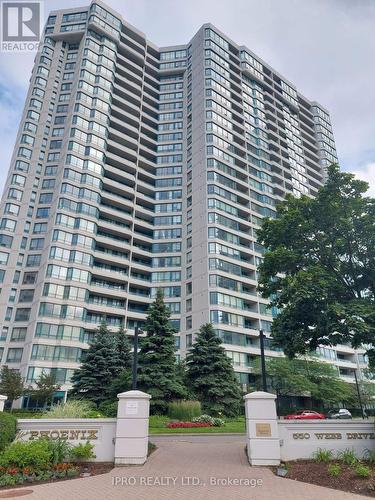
[11, 476]
[323, 474]
[41, 460]
[187, 425]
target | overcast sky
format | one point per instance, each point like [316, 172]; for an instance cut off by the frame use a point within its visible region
[325, 47]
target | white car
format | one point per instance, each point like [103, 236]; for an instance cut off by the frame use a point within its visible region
[342, 413]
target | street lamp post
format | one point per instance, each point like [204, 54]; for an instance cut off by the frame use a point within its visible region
[359, 393]
[135, 358]
[263, 360]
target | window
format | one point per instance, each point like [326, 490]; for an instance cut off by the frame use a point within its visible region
[8, 225]
[15, 194]
[48, 183]
[11, 209]
[29, 278]
[18, 180]
[33, 260]
[40, 227]
[14, 355]
[45, 198]
[9, 313]
[6, 241]
[22, 166]
[18, 334]
[43, 213]
[4, 333]
[36, 243]
[189, 322]
[4, 258]
[26, 295]
[22, 314]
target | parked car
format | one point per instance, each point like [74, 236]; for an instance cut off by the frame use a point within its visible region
[305, 415]
[342, 413]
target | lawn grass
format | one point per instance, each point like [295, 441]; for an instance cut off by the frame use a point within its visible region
[158, 426]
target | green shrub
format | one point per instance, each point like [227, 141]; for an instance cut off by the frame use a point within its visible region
[207, 419]
[158, 421]
[9, 479]
[322, 455]
[347, 457]
[60, 450]
[8, 429]
[362, 470]
[27, 454]
[184, 410]
[218, 422]
[151, 448]
[71, 409]
[109, 409]
[369, 456]
[334, 470]
[25, 413]
[83, 451]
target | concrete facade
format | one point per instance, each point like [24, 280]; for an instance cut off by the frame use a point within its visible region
[137, 168]
[270, 440]
[122, 440]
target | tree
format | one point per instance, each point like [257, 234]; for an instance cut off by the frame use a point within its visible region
[211, 375]
[157, 360]
[286, 378]
[101, 364]
[45, 388]
[11, 384]
[319, 267]
[122, 381]
[304, 377]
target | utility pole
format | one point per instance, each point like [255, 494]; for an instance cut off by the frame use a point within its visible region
[263, 360]
[135, 359]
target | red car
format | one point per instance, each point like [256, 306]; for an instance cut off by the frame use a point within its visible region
[305, 415]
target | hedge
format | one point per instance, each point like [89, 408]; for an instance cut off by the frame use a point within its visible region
[8, 429]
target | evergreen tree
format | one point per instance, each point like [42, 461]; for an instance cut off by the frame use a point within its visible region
[211, 375]
[157, 360]
[100, 366]
[122, 382]
[123, 349]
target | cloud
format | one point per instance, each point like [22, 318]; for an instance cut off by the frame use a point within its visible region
[367, 173]
[325, 47]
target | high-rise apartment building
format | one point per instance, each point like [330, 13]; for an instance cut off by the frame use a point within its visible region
[137, 168]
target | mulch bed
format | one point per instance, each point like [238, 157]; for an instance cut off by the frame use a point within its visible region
[94, 469]
[317, 473]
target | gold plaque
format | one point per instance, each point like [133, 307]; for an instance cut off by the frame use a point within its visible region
[263, 430]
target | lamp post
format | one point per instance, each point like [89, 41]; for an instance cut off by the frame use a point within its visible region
[263, 360]
[359, 393]
[135, 358]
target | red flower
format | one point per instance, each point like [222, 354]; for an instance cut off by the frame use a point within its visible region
[187, 425]
[13, 470]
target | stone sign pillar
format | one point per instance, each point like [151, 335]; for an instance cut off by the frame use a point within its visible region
[131, 445]
[262, 433]
[2, 402]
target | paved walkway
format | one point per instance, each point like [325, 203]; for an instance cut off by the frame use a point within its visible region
[179, 461]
